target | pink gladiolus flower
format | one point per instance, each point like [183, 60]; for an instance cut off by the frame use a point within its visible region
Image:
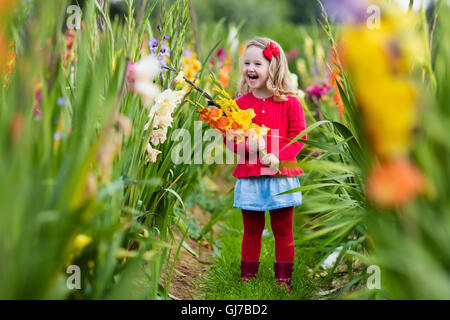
[318, 90]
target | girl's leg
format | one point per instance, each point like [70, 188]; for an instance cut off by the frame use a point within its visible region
[281, 222]
[254, 223]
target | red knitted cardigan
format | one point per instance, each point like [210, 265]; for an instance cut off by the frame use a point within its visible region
[288, 117]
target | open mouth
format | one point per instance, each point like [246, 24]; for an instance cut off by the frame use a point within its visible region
[253, 77]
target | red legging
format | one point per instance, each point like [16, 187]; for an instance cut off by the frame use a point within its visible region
[281, 223]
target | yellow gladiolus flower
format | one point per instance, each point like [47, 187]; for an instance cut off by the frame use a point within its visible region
[243, 117]
[191, 66]
[222, 92]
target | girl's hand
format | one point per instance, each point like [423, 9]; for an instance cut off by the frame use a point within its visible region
[256, 144]
[270, 160]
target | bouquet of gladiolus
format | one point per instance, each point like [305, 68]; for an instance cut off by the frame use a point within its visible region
[225, 115]
[233, 123]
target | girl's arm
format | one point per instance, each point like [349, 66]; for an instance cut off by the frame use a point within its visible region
[297, 123]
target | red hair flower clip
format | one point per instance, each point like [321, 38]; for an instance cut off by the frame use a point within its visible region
[271, 50]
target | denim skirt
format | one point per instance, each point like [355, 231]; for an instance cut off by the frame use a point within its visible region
[260, 193]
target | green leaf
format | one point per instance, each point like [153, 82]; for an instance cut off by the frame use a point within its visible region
[306, 131]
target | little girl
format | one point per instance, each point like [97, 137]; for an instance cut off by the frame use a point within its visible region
[264, 88]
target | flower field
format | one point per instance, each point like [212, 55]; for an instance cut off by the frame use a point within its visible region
[113, 163]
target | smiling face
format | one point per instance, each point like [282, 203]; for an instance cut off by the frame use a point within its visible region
[255, 69]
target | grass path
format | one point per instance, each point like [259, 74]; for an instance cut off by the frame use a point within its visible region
[222, 279]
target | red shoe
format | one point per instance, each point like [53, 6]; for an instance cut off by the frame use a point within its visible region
[248, 270]
[283, 274]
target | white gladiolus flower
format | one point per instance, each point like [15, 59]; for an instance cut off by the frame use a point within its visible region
[233, 39]
[161, 111]
[301, 93]
[141, 75]
[147, 91]
[180, 94]
[152, 153]
[160, 116]
[146, 69]
[162, 121]
[180, 77]
[167, 102]
[292, 80]
[158, 136]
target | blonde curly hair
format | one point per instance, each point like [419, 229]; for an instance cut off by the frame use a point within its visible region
[277, 83]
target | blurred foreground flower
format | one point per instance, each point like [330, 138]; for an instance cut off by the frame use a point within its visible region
[112, 145]
[394, 183]
[379, 63]
[140, 76]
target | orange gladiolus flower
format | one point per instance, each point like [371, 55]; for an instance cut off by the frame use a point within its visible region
[334, 55]
[394, 183]
[215, 114]
[223, 123]
[224, 73]
[334, 78]
[235, 126]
